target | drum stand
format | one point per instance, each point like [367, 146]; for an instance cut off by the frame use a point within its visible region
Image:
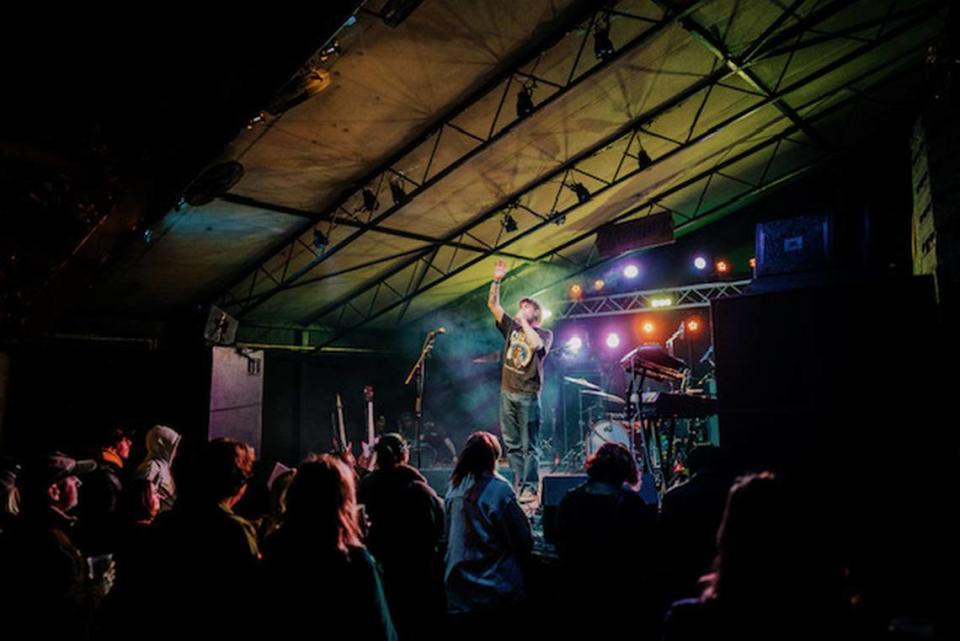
[649, 455]
[576, 456]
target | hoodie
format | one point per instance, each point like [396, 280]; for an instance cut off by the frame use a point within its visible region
[405, 514]
[161, 444]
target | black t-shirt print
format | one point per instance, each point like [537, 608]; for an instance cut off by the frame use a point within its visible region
[521, 368]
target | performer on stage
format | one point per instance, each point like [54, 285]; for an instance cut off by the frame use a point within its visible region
[521, 379]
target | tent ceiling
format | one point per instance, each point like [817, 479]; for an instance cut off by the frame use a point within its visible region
[728, 98]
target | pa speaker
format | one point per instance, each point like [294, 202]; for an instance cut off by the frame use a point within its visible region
[220, 328]
[554, 488]
[793, 245]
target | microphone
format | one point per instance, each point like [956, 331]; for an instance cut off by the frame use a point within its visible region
[439, 330]
[707, 355]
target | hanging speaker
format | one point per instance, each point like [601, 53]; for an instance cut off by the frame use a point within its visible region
[649, 231]
[793, 245]
[221, 327]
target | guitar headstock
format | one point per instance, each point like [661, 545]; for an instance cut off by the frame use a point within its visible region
[368, 393]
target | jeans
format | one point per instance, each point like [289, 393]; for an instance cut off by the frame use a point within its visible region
[520, 427]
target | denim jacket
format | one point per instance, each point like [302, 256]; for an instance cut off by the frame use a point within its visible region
[488, 537]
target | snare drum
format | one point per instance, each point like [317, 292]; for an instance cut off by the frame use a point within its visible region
[607, 432]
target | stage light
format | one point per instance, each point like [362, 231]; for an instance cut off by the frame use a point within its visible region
[525, 101]
[723, 267]
[661, 302]
[643, 159]
[509, 224]
[546, 314]
[576, 291]
[631, 271]
[598, 284]
[256, 120]
[320, 240]
[602, 45]
[753, 263]
[397, 191]
[583, 194]
[700, 262]
[333, 49]
[370, 202]
[613, 340]
[693, 325]
[648, 328]
[574, 344]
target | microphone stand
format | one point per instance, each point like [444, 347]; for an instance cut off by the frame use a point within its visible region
[419, 371]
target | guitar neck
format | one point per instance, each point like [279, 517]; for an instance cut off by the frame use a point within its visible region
[370, 429]
[342, 432]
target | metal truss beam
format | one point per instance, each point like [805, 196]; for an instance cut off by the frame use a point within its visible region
[513, 238]
[389, 231]
[686, 297]
[511, 79]
[851, 31]
[848, 87]
[342, 331]
[716, 47]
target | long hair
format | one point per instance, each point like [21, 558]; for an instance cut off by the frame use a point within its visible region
[479, 455]
[756, 544]
[322, 503]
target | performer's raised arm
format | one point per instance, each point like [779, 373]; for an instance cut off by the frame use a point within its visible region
[493, 302]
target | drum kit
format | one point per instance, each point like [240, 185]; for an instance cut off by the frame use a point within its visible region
[646, 422]
[598, 428]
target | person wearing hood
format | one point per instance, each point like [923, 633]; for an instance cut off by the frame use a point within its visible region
[162, 443]
[405, 528]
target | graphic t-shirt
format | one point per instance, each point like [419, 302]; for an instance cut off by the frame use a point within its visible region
[521, 368]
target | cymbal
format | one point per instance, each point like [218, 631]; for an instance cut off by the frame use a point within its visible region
[604, 396]
[582, 382]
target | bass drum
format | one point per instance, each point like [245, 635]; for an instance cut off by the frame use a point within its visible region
[607, 432]
[434, 451]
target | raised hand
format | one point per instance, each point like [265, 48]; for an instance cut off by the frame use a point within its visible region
[499, 270]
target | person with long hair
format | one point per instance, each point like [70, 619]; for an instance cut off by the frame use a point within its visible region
[318, 573]
[772, 578]
[272, 521]
[488, 540]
